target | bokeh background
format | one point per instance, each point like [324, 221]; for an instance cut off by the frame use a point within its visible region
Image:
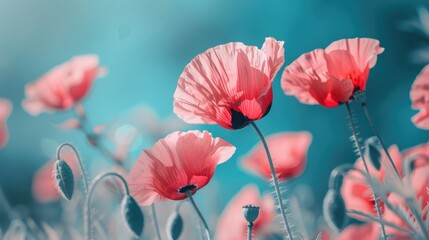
[146, 44]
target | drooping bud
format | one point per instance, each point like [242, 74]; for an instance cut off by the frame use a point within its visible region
[334, 210]
[133, 215]
[65, 179]
[373, 151]
[250, 212]
[174, 226]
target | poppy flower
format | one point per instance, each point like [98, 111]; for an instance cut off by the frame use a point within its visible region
[5, 110]
[63, 86]
[358, 232]
[356, 191]
[288, 151]
[229, 84]
[419, 182]
[330, 76]
[420, 99]
[179, 162]
[233, 226]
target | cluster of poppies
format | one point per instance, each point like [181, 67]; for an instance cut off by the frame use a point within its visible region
[232, 85]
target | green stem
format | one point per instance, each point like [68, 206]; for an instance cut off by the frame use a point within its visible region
[371, 123]
[155, 219]
[249, 231]
[206, 226]
[361, 155]
[89, 196]
[275, 181]
[79, 160]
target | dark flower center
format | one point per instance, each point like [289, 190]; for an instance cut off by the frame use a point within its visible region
[187, 188]
[239, 120]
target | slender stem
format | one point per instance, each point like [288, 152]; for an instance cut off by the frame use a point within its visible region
[249, 231]
[155, 219]
[79, 160]
[275, 181]
[355, 138]
[206, 226]
[88, 198]
[418, 218]
[371, 123]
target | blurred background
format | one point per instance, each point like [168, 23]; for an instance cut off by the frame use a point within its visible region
[146, 44]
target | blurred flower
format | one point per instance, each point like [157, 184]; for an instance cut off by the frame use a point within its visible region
[289, 153]
[419, 153]
[358, 232]
[420, 99]
[179, 162]
[44, 184]
[5, 110]
[330, 76]
[418, 185]
[63, 86]
[355, 189]
[231, 224]
[229, 84]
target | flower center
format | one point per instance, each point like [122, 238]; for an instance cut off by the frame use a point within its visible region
[186, 188]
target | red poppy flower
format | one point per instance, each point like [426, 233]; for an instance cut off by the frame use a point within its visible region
[420, 99]
[229, 84]
[330, 76]
[289, 154]
[5, 110]
[62, 87]
[233, 226]
[179, 162]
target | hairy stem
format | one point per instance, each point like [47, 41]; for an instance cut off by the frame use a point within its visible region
[249, 231]
[418, 218]
[206, 226]
[361, 155]
[371, 123]
[89, 196]
[155, 220]
[275, 181]
[79, 160]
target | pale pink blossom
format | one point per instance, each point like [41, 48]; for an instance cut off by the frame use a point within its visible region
[181, 161]
[330, 76]
[5, 111]
[229, 85]
[288, 151]
[420, 99]
[63, 86]
[233, 226]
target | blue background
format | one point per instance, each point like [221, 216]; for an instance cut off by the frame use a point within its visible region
[145, 46]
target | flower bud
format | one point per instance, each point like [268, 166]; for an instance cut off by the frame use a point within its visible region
[250, 212]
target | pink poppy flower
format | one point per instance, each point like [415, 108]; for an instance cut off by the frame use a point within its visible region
[357, 192]
[229, 84]
[233, 226]
[358, 232]
[63, 86]
[44, 184]
[289, 153]
[181, 161]
[5, 110]
[330, 76]
[420, 153]
[420, 99]
[419, 184]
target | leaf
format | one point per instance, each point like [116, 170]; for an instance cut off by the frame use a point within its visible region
[133, 215]
[174, 226]
[17, 230]
[65, 179]
[334, 210]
